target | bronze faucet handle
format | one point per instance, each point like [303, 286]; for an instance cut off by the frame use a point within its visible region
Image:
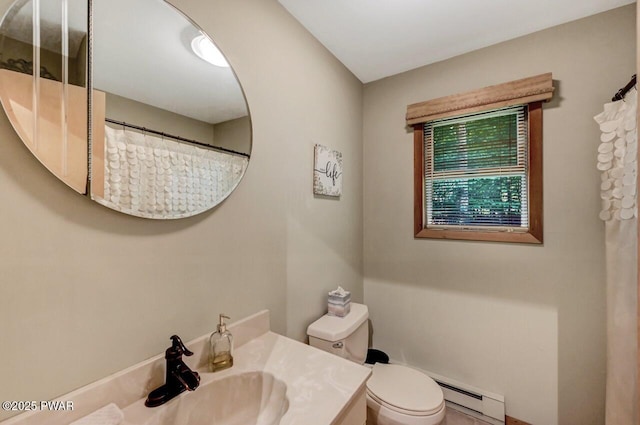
[178, 348]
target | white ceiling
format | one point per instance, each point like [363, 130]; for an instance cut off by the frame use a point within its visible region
[379, 38]
[142, 51]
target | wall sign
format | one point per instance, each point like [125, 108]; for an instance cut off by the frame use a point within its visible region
[327, 172]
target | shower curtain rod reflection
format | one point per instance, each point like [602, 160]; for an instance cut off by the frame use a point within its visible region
[170, 136]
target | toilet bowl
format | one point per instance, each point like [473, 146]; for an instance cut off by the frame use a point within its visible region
[396, 394]
[399, 395]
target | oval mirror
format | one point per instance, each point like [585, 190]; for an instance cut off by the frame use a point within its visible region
[169, 128]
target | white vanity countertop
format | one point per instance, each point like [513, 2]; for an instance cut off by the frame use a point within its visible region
[320, 385]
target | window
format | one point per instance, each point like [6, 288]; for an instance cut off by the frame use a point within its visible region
[478, 170]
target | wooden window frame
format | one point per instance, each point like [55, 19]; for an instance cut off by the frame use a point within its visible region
[534, 233]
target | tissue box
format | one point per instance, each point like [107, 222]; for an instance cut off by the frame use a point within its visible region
[339, 302]
[339, 310]
[339, 296]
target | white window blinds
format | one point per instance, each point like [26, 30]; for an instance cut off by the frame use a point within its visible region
[476, 171]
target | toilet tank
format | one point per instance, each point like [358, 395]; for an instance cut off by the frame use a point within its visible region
[347, 337]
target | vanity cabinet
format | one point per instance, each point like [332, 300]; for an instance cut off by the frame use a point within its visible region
[356, 411]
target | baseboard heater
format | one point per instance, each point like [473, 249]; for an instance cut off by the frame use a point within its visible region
[470, 400]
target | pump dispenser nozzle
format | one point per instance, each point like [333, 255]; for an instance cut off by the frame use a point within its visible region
[222, 327]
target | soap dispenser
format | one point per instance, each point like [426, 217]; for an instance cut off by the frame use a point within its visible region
[221, 347]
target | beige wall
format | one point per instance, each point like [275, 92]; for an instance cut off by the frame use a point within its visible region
[234, 134]
[519, 320]
[133, 112]
[87, 291]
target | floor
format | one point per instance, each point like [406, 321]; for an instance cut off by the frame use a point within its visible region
[453, 417]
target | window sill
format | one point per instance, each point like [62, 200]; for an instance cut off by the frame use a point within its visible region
[475, 235]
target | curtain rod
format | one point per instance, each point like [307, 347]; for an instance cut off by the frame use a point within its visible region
[170, 136]
[623, 91]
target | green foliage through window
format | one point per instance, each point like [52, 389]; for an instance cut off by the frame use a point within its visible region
[485, 201]
[476, 170]
[482, 143]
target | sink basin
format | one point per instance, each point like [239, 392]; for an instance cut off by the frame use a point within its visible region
[249, 398]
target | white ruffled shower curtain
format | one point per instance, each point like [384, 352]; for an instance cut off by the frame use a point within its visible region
[153, 177]
[617, 160]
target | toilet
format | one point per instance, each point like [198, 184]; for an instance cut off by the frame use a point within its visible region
[396, 394]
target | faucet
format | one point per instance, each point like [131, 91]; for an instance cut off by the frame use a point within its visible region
[178, 375]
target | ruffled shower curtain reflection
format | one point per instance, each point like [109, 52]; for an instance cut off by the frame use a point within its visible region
[154, 177]
[617, 160]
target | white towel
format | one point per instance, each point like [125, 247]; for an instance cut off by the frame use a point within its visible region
[107, 415]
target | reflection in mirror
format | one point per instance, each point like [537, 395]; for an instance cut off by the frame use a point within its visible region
[170, 134]
[47, 108]
[177, 134]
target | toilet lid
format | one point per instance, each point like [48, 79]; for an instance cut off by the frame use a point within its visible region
[404, 389]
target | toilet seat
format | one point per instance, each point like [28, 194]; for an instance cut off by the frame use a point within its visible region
[404, 390]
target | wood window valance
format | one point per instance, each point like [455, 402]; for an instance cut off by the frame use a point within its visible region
[518, 92]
